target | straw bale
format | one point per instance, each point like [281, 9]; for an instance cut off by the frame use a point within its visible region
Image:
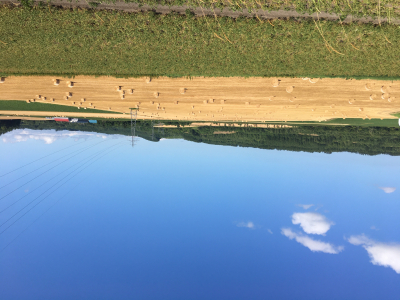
[2, 79]
[289, 89]
[368, 86]
[156, 94]
[182, 90]
[275, 82]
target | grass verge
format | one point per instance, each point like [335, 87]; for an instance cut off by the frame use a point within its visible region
[23, 106]
[54, 41]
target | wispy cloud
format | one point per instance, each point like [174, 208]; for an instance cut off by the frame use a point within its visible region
[270, 231]
[305, 206]
[312, 223]
[49, 136]
[387, 189]
[249, 224]
[381, 254]
[310, 243]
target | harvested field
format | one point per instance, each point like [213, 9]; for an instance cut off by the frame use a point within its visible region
[323, 100]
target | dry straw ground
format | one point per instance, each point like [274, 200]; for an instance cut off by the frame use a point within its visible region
[212, 99]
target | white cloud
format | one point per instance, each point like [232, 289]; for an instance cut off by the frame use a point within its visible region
[387, 189]
[312, 223]
[48, 136]
[313, 245]
[305, 206]
[249, 224]
[381, 254]
[270, 231]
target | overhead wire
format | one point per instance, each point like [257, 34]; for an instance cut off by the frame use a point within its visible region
[39, 159]
[52, 178]
[1, 225]
[48, 164]
[44, 172]
[66, 194]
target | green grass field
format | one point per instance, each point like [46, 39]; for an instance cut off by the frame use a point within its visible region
[23, 106]
[53, 41]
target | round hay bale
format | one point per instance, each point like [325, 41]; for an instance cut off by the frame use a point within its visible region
[90, 104]
[205, 101]
[368, 86]
[131, 91]
[385, 96]
[275, 82]
[122, 92]
[73, 102]
[247, 103]
[313, 80]
[289, 89]
[71, 84]
[51, 99]
[332, 106]
[122, 96]
[2, 79]
[38, 96]
[156, 94]
[361, 109]
[118, 87]
[305, 78]
[28, 101]
[151, 102]
[33, 100]
[292, 99]
[83, 99]
[176, 102]
[182, 90]
[56, 81]
[44, 98]
[147, 79]
[222, 101]
[192, 106]
[372, 97]
[65, 97]
[68, 94]
[94, 106]
[210, 100]
[109, 108]
[383, 89]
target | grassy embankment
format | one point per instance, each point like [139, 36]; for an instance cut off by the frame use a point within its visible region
[24, 106]
[54, 41]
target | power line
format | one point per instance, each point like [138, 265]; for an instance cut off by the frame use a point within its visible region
[70, 190]
[40, 186]
[47, 165]
[45, 172]
[40, 159]
[40, 200]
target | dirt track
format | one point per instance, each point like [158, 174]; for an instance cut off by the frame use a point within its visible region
[134, 7]
[214, 99]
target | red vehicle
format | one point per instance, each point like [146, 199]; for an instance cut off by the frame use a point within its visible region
[61, 119]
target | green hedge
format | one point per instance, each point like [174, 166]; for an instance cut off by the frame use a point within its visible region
[44, 41]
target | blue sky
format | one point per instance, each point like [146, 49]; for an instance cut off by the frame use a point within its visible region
[180, 220]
